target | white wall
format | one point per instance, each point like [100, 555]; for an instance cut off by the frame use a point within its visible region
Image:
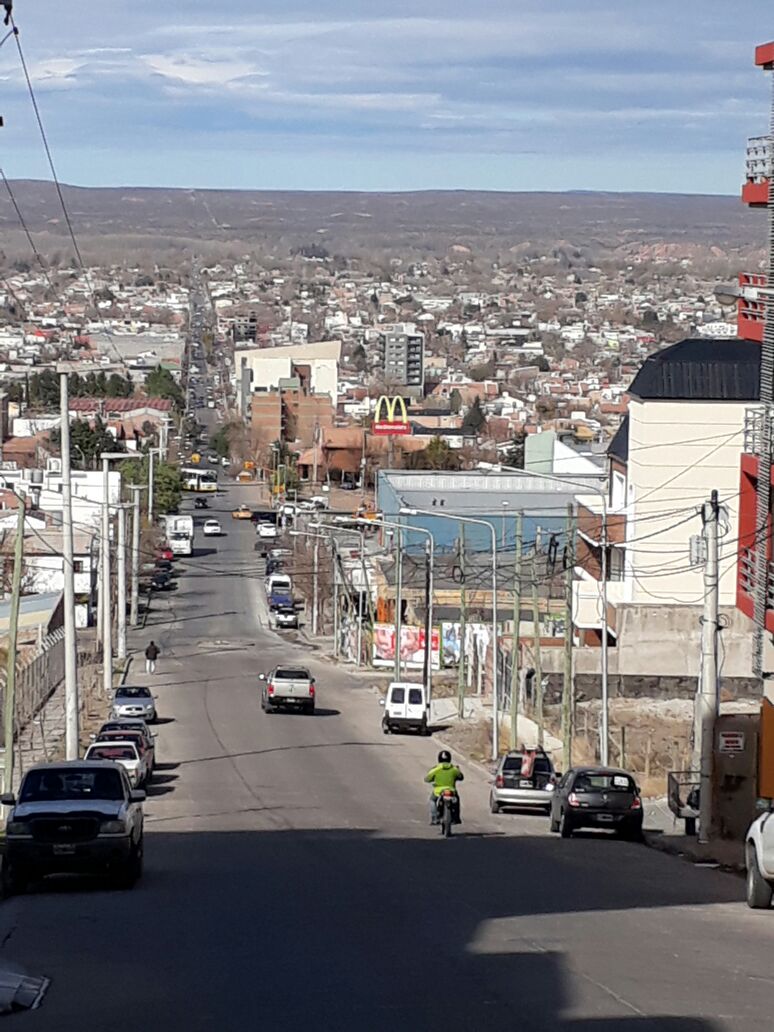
[678, 452]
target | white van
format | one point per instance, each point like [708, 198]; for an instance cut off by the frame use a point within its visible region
[279, 582]
[404, 708]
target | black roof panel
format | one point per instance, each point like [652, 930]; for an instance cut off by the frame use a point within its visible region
[701, 369]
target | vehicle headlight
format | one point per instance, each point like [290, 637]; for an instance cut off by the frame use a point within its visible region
[18, 828]
[111, 828]
[550, 786]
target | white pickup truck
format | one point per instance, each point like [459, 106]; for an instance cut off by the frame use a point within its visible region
[288, 686]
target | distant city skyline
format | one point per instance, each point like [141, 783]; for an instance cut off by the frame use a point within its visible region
[506, 95]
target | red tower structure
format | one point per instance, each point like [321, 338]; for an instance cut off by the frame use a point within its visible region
[755, 321]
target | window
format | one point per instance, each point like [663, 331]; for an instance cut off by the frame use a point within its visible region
[398, 695]
[288, 674]
[79, 566]
[47, 785]
[415, 696]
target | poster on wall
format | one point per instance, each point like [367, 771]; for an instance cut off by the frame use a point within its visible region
[477, 635]
[412, 651]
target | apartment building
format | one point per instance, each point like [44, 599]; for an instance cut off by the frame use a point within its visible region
[401, 355]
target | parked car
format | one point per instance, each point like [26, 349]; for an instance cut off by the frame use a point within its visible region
[201, 503]
[523, 779]
[404, 708]
[212, 528]
[143, 739]
[267, 531]
[278, 581]
[123, 752]
[597, 797]
[73, 817]
[244, 512]
[286, 618]
[274, 566]
[288, 686]
[134, 701]
[759, 859]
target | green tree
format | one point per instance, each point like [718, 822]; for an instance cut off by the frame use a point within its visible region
[437, 455]
[44, 389]
[87, 442]
[484, 371]
[119, 386]
[515, 454]
[167, 483]
[221, 442]
[474, 420]
[455, 401]
[161, 384]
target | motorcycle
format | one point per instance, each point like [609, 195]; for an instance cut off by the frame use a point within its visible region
[448, 810]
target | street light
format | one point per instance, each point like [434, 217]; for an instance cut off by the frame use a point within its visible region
[430, 553]
[107, 636]
[604, 732]
[405, 511]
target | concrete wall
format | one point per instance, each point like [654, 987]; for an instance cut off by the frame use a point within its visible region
[678, 452]
[659, 641]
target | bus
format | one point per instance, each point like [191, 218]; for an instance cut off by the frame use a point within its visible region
[200, 480]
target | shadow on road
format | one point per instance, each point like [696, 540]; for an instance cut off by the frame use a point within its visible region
[386, 946]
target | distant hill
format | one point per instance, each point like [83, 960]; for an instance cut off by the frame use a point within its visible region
[348, 223]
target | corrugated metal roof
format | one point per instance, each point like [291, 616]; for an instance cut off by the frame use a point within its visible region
[701, 369]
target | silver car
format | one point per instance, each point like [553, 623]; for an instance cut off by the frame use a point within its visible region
[134, 701]
[523, 779]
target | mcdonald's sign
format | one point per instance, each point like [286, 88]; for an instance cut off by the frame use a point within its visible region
[390, 417]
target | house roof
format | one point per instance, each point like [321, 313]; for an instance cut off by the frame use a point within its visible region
[701, 369]
[119, 404]
[619, 446]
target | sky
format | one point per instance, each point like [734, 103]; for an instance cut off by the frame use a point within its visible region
[322, 94]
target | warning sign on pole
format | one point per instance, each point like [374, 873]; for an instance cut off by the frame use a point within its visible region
[731, 741]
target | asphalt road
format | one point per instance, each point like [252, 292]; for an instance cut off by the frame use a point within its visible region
[291, 881]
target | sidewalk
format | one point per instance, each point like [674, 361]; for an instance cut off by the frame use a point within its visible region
[665, 832]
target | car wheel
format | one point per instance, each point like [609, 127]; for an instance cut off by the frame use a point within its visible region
[14, 879]
[565, 825]
[424, 730]
[494, 806]
[631, 832]
[759, 891]
[309, 709]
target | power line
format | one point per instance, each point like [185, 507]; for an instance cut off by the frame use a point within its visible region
[35, 251]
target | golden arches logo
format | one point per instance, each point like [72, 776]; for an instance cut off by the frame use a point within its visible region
[394, 408]
[396, 421]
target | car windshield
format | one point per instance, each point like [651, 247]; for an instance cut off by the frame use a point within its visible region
[512, 765]
[48, 785]
[133, 693]
[112, 752]
[291, 674]
[588, 782]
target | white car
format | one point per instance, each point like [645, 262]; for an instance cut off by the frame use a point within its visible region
[212, 528]
[267, 530]
[759, 858]
[124, 753]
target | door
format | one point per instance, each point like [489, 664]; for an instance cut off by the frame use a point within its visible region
[396, 702]
[415, 703]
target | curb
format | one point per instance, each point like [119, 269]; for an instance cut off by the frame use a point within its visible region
[653, 840]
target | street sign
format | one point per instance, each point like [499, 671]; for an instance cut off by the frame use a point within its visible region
[396, 421]
[731, 741]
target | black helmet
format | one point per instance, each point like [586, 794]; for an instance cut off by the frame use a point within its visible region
[444, 756]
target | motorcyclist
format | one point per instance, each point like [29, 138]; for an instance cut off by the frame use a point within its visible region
[442, 777]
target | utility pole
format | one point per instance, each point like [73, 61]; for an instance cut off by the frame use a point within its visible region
[707, 696]
[134, 607]
[360, 604]
[121, 587]
[72, 743]
[335, 599]
[461, 666]
[9, 708]
[516, 647]
[536, 638]
[427, 672]
[568, 693]
[150, 485]
[316, 553]
[398, 605]
[107, 628]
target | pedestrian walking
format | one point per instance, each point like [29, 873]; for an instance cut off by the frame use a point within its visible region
[151, 655]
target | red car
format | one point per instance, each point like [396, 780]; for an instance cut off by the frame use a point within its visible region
[165, 553]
